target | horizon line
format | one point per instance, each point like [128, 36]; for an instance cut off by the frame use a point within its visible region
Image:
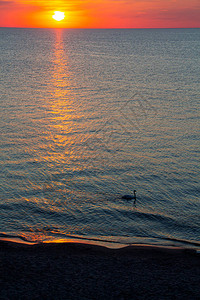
[99, 27]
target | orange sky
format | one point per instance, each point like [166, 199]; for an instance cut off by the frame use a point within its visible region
[101, 13]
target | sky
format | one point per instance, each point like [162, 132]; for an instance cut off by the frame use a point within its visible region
[101, 13]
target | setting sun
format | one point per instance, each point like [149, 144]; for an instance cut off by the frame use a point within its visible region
[58, 15]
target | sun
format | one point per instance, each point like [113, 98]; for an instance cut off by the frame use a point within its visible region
[58, 15]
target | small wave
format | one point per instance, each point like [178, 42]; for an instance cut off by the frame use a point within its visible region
[10, 237]
[110, 242]
[195, 243]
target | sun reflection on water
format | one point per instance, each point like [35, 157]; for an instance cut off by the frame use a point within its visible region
[62, 106]
[60, 78]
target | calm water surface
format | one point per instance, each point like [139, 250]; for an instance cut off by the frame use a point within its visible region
[90, 115]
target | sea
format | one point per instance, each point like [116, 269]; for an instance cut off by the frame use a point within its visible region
[90, 115]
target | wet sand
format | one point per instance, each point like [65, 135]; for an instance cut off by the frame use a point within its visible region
[83, 271]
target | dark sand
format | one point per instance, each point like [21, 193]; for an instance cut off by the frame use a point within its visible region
[80, 271]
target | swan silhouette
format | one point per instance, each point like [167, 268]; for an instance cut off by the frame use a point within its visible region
[130, 197]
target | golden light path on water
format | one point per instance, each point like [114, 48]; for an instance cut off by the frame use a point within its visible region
[62, 109]
[59, 148]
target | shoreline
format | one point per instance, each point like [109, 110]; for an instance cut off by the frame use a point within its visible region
[47, 245]
[87, 271]
[105, 243]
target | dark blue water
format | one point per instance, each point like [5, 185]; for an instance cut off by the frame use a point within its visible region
[90, 115]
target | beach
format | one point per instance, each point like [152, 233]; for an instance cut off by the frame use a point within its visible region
[85, 271]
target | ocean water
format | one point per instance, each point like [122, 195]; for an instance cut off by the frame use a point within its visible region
[90, 115]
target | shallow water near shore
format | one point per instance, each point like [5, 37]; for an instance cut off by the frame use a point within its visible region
[90, 115]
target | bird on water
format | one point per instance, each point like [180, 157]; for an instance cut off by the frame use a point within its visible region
[130, 197]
